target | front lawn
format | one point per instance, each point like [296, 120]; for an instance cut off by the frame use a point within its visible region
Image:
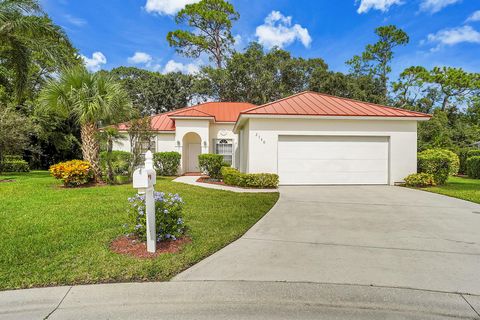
[50, 235]
[459, 187]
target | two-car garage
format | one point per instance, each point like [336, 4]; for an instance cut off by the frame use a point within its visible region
[317, 139]
[333, 160]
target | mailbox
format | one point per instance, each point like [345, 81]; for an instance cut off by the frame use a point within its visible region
[144, 179]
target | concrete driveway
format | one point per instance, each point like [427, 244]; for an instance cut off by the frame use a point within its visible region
[321, 253]
[358, 235]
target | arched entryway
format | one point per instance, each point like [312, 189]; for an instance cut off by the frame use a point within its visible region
[192, 148]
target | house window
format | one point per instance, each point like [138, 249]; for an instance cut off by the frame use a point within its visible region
[225, 148]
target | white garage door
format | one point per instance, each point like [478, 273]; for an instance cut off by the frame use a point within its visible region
[332, 160]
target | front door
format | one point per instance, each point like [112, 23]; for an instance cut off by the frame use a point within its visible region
[194, 150]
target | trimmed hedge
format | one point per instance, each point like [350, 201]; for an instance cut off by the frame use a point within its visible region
[473, 153]
[439, 162]
[167, 163]
[211, 164]
[14, 166]
[473, 167]
[420, 180]
[232, 176]
[463, 155]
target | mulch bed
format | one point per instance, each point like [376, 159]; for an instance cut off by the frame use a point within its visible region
[208, 180]
[7, 180]
[133, 247]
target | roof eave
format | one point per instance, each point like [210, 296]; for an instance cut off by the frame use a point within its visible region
[244, 116]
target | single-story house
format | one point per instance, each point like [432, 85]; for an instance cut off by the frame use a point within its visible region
[308, 138]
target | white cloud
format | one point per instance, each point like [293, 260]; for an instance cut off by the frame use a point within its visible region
[173, 66]
[382, 5]
[474, 16]
[278, 31]
[436, 5]
[79, 22]
[450, 37]
[140, 58]
[167, 7]
[95, 62]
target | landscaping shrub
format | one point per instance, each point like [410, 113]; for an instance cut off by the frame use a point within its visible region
[439, 162]
[463, 155]
[211, 164]
[232, 176]
[120, 161]
[168, 216]
[167, 163]
[420, 180]
[120, 164]
[473, 167]
[14, 164]
[473, 153]
[73, 173]
[452, 158]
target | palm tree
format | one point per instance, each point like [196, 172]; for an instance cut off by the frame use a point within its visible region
[91, 99]
[25, 28]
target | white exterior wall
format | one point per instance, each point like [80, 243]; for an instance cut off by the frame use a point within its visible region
[262, 135]
[244, 140]
[123, 143]
[166, 142]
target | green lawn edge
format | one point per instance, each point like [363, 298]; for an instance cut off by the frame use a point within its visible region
[53, 236]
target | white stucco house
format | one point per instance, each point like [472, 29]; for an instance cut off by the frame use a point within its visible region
[308, 138]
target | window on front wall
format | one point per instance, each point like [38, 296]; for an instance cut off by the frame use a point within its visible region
[225, 148]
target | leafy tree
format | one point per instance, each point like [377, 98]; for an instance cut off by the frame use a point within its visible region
[364, 88]
[258, 77]
[152, 92]
[14, 130]
[90, 99]
[442, 87]
[211, 21]
[139, 133]
[25, 31]
[376, 59]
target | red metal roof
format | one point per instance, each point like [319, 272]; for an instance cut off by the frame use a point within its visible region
[191, 112]
[221, 111]
[318, 104]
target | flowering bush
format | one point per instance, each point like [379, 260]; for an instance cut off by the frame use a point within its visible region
[168, 216]
[73, 173]
[420, 180]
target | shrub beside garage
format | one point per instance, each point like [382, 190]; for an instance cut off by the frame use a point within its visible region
[440, 163]
[232, 176]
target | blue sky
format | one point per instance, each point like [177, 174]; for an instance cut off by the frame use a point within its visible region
[111, 33]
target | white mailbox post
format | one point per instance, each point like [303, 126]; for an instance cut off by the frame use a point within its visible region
[144, 179]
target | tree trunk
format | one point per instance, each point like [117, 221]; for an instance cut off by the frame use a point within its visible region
[91, 148]
[111, 176]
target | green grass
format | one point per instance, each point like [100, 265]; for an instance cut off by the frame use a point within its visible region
[50, 235]
[459, 187]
